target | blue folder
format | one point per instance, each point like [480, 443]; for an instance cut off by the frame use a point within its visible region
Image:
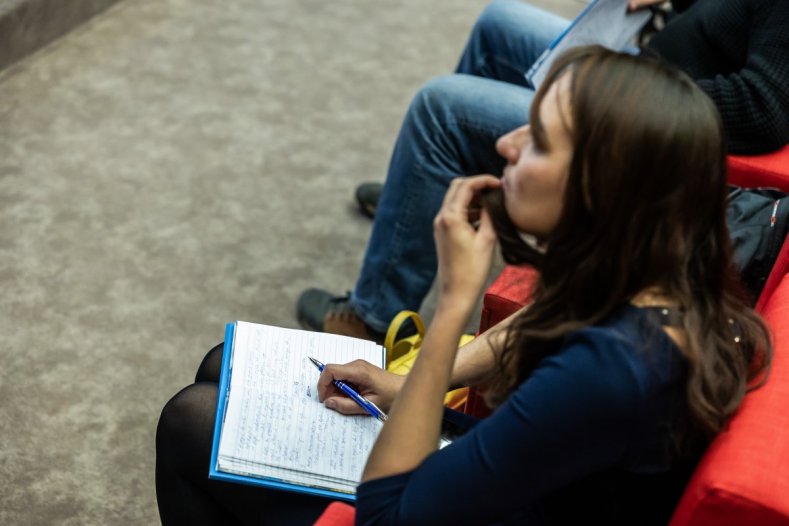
[221, 407]
[603, 22]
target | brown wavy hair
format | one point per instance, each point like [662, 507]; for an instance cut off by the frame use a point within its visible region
[644, 206]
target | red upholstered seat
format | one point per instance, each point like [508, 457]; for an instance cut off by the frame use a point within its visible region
[337, 514]
[744, 476]
[770, 170]
[780, 267]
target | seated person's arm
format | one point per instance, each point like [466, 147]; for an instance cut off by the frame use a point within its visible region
[478, 358]
[571, 418]
[465, 254]
[474, 362]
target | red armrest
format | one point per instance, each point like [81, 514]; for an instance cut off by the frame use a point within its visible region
[780, 268]
[769, 170]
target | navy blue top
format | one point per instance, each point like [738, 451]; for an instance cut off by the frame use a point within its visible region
[584, 439]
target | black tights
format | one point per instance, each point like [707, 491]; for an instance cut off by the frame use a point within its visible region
[184, 492]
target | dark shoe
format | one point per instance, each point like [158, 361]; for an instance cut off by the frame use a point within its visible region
[321, 311]
[368, 195]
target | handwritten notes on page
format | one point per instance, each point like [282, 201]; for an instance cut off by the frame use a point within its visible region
[275, 427]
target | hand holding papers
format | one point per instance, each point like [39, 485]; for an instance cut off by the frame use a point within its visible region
[604, 22]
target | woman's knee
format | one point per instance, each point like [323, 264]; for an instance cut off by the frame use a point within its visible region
[515, 31]
[440, 98]
[211, 367]
[186, 423]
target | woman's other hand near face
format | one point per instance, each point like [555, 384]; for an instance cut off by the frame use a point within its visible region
[465, 250]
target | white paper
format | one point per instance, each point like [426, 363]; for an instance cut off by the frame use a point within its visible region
[603, 22]
[274, 425]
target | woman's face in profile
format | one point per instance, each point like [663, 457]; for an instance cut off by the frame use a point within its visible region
[538, 163]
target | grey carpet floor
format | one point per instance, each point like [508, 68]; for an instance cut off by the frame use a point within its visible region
[168, 167]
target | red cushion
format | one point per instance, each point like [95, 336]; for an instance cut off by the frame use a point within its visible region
[337, 514]
[744, 476]
[780, 268]
[771, 170]
[508, 293]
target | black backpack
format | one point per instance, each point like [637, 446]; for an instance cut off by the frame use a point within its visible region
[758, 220]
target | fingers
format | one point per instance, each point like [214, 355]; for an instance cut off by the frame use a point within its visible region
[474, 209]
[376, 384]
[462, 195]
[355, 373]
[634, 5]
[485, 227]
[344, 405]
[463, 189]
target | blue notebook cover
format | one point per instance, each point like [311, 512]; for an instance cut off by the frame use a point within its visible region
[224, 387]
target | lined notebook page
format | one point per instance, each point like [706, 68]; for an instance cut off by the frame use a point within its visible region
[275, 426]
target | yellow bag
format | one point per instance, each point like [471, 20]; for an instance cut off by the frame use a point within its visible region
[400, 354]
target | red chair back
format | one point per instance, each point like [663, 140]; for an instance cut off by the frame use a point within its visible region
[770, 170]
[743, 477]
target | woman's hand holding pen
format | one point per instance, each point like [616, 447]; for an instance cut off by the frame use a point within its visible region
[375, 384]
[465, 251]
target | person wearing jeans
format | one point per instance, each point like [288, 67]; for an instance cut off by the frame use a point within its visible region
[737, 52]
[449, 131]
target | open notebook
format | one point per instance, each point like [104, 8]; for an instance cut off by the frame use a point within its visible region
[271, 430]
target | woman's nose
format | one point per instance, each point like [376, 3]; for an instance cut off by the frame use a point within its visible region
[509, 145]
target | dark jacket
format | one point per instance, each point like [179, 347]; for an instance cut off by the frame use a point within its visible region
[738, 52]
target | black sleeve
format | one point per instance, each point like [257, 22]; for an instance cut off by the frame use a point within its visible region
[572, 417]
[681, 5]
[754, 101]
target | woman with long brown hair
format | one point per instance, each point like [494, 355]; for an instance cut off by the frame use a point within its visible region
[636, 350]
[639, 344]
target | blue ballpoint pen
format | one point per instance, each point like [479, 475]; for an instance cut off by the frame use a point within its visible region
[363, 402]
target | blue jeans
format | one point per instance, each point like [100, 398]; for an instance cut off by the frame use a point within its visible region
[450, 130]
